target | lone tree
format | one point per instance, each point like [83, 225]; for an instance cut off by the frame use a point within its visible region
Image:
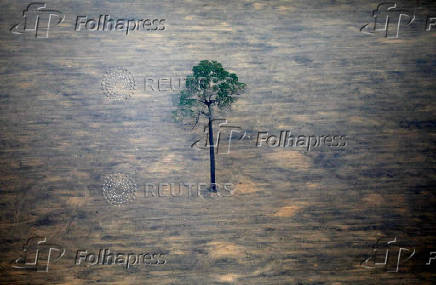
[210, 88]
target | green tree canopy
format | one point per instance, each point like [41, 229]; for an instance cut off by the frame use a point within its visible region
[209, 85]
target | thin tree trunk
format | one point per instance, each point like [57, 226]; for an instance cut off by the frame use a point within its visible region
[211, 152]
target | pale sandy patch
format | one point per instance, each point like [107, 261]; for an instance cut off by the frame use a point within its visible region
[287, 211]
[230, 278]
[225, 250]
[290, 159]
[76, 201]
[363, 121]
[167, 164]
[286, 9]
[25, 84]
[374, 199]
[246, 186]
[82, 175]
[313, 186]
[290, 209]
[32, 161]
[73, 281]
[259, 6]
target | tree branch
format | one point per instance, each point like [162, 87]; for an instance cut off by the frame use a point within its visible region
[197, 120]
